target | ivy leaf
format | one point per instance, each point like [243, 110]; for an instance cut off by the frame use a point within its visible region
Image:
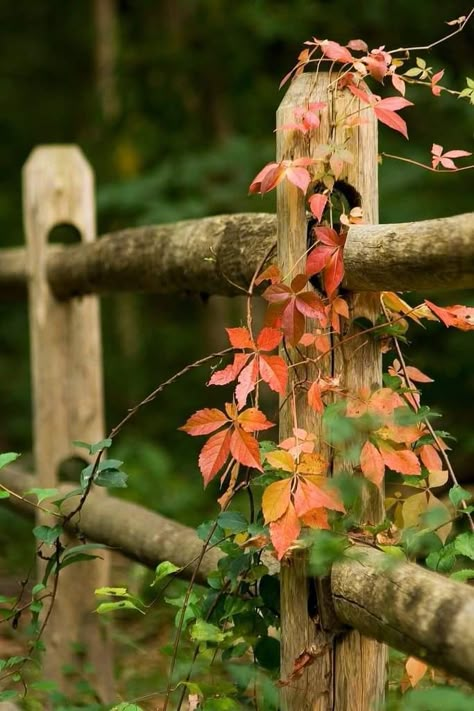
[464, 544]
[214, 454]
[285, 531]
[8, 458]
[204, 422]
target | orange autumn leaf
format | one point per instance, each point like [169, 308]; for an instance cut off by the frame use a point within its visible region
[285, 531]
[281, 459]
[276, 499]
[403, 461]
[371, 463]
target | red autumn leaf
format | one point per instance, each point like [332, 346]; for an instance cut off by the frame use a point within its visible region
[371, 463]
[376, 65]
[271, 273]
[214, 454]
[392, 120]
[403, 461]
[461, 317]
[276, 499]
[273, 173]
[244, 449]
[299, 177]
[302, 442]
[314, 398]
[360, 93]
[230, 372]
[322, 342]
[398, 83]
[430, 458]
[253, 420]
[318, 259]
[240, 338]
[445, 159]
[309, 496]
[357, 45]
[333, 272]
[292, 304]
[316, 518]
[292, 323]
[274, 372]
[327, 256]
[384, 401]
[285, 531]
[277, 294]
[268, 339]
[337, 308]
[317, 203]
[336, 52]
[204, 422]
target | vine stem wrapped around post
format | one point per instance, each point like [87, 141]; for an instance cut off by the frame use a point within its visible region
[349, 671]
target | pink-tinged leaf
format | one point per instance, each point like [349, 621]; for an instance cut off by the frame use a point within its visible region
[292, 323]
[276, 498]
[434, 81]
[377, 66]
[317, 203]
[430, 458]
[338, 307]
[318, 258]
[302, 442]
[416, 670]
[273, 315]
[461, 317]
[277, 294]
[310, 305]
[393, 103]
[392, 120]
[246, 383]
[335, 51]
[253, 420]
[357, 45]
[240, 338]
[204, 422]
[360, 93]
[436, 149]
[314, 398]
[230, 372]
[337, 165]
[371, 463]
[271, 169]
[285, 531]
[307, 339]
[273, 178]
[403, 461]
[316, 518]
[280, 459]
[384, 401]
[274, 372]
[456, 154]
[417, 376]
[308, 496]
[322, 342]
[334, 272]
[214, 455]
[244, 448]
[268, 339]
[271, 273]
[299, 177]
[398, 84]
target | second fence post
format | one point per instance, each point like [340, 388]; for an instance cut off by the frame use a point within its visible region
[66, 364]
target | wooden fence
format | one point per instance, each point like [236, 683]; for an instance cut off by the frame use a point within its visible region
[401, 606]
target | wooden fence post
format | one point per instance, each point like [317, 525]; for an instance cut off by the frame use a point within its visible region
[349, 671]
[66, 363]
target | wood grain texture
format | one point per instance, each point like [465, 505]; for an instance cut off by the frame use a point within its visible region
[66, 364]
[219, 255]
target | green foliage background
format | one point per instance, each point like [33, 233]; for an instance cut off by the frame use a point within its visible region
[194, 94]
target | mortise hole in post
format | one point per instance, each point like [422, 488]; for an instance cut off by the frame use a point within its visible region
[64, 233]
[70, 469]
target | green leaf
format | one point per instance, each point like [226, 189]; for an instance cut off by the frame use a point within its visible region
[42, 494]
[267, 653]
[8, 458]
[223, 703]
[47, 534]
[111, 479]
[232, 521]
[98, 446]
[203, 631]
[114, 592]
[77, 558]
[126, 706]
[84, 548]
[464, 544]
[4, 494]
[106, 607]
[8, 695]
[438, 698]
[44, 685]
[394, 552]
[457, 494]
[163, 570]
[463, 576]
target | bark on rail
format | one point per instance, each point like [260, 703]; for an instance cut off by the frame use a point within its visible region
[219, 255]
[404, 605]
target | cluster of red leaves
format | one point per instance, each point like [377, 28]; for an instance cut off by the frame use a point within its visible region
[301, 498]
[459, 316]
[446, 159]
[296, 171]
[248, 366]
[390, 445]
[384, 109]
[236, 439]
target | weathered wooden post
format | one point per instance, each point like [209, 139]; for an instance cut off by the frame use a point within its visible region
[66, 363]
[349, 671]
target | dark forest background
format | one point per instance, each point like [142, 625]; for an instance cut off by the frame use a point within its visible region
[173, 102]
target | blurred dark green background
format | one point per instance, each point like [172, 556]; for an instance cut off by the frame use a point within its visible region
[173, 102]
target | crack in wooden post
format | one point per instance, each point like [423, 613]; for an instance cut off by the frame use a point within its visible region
[66, 363]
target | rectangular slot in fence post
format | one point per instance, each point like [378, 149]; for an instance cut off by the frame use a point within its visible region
[66, 363]
[349, 670]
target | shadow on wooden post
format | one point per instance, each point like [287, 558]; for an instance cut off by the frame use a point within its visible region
[66, 363]
[349, 670]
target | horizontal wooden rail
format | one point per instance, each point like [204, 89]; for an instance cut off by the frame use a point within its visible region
[404, 605]
[218, 255]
